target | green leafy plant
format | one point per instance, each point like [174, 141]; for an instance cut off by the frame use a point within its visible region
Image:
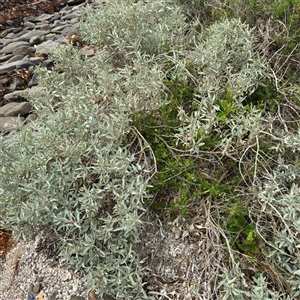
[241, 232]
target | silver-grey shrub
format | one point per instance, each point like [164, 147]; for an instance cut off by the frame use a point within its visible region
[278, 225]
[71, 176]
[280, 202]
[227, 68]
[125, 28]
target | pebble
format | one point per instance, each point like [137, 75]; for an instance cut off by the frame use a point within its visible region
[13, 96]
[22, 49]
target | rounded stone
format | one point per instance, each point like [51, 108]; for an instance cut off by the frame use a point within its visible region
[9, 48]
[15, 109]
[14, 96]
[35, 40]
[33, 81]
[36, 288]
[6, 57]
[29, 25]
[15, 58]
[16, 83]
[30, 118]
[24, 50]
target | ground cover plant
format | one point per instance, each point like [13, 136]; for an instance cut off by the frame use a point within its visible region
[188, 111]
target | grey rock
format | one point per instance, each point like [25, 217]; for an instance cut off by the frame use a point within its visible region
[33, 81]
[23, 50]
[5, 57]
[39, 279]
[15, 58]
[55, 17]
[59, 28]
[7, 68]
[15, 109]
[74, 297]
[40, 18]
[24, 36]
[50, 36]
[70, 30]
[4, 80]
[73, 21]
[18, 30]
[53, 295]
[24, 63]
[34, 32]
[13, 96]
[9, 124]
[46, 46]
[29, 25]
[30, 118]
[36, 288]
[43, 26]
[30, 70]
[15, 39]
[7, 40]
[1, 86]
[88, 51]
[14, 36]
[61, 39]
[45, 63]
[16, 83]
[66, 9]
[35, 60]
[6, 32]
[35, 40]
[12, 46]
[70, 16]
[59, 22]
[79, 6]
